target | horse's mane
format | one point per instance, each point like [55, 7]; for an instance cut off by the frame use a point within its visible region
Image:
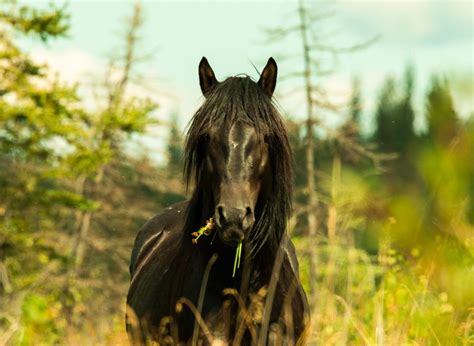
[240, 99]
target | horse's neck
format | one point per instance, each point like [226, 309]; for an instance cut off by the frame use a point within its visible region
[201, 207]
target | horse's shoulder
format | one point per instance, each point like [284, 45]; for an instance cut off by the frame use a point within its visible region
[169, 217]
[169, 220]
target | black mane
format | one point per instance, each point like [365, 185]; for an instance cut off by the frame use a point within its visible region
[240, 99]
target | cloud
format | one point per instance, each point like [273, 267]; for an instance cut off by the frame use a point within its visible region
[79, 67]
[430, 22]
[71, 66]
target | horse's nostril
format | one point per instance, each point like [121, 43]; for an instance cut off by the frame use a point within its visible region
[248, 211]
[221, 213]
[226, 216]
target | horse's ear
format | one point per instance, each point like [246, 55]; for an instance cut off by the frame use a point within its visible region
[207, 79]
[268, 77]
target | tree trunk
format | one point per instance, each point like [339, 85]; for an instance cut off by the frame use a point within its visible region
[310, 190]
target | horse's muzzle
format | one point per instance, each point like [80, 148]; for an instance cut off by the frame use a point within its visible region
[226, 217]
[231, 236]
[233, 223]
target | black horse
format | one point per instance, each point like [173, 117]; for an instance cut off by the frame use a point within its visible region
[239, 161]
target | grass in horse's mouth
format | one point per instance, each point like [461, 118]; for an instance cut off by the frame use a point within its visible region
[238, 253]
[206, 230]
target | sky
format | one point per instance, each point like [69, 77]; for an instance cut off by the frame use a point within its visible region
[433, 36]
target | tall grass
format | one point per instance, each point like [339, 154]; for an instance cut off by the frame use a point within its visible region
[386, 289]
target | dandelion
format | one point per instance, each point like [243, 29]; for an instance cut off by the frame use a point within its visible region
[206, 230]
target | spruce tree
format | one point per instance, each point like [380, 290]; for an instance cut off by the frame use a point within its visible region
[385, 116]
[440, 113]
[174, 149]
[395, 115]
[355, 104]
[405, 115]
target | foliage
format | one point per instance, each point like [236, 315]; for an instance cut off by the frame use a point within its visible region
[393, 264]
[47, 24]
[52, 155]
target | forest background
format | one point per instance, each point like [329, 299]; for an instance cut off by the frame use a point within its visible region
[384, 202]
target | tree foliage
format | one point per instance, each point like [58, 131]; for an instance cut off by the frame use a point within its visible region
[63, 170]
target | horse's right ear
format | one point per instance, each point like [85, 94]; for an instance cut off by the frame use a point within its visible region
[207, 79]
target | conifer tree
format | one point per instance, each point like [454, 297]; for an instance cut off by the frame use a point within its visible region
[384, 116]
[395, 115]
[440, 113]
[405, 134]
[174, 149]
[355, 104]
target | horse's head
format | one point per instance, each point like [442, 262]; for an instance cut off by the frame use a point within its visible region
[237, 159]
[232, 141]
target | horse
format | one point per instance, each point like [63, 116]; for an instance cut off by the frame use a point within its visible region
[238, 161]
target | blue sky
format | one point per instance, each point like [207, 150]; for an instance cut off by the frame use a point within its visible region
[435, 36]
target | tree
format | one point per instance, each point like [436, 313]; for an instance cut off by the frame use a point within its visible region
[63, 186]
[34, 109]
[406, 115]
[384, 115]
[355, 103]
[395, 116]
[39, 121]
[440, 113]
[99, 163]
[174, 151]
[318, 57]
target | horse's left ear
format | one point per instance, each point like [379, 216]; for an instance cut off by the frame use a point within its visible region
[207, 79]
[268, 77]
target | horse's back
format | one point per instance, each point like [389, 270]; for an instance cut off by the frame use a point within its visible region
[154, 260]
